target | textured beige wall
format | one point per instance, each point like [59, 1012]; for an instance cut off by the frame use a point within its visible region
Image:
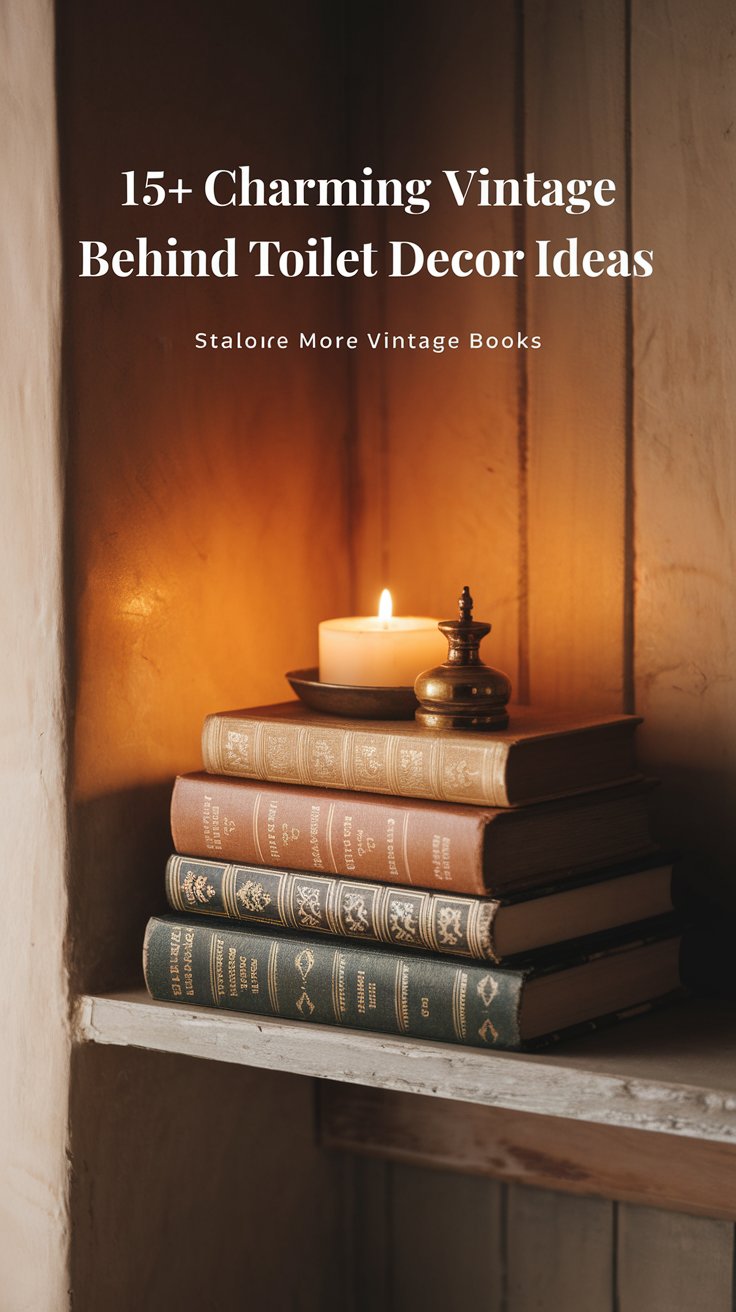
[33, 1033]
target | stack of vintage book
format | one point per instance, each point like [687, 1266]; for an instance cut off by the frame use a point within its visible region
[489, 889]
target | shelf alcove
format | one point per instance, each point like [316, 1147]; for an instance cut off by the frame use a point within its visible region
[218, 505]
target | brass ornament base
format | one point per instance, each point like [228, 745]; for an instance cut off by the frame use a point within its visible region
[463, 692]
[461, 719]
[351, 700]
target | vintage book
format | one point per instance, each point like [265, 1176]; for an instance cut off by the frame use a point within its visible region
[483, 928]
[336, 982]
[540, 755]
[467, 849]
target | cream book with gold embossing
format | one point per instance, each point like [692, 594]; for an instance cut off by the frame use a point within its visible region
[541, 755]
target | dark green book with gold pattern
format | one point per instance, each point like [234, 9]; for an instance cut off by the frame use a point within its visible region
[204, 962]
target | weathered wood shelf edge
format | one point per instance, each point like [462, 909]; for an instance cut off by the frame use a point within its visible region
[672, 1072]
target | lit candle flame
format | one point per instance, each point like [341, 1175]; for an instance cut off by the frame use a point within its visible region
[385, 606]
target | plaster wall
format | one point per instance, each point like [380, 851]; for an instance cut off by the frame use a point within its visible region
[34, 1046]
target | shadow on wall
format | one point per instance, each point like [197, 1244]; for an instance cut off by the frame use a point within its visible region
[120, 843]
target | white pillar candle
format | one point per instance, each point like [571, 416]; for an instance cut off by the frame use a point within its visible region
[379, 651]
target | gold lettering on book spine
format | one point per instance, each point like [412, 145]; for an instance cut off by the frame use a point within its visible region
[494, 774]
[212, 735]
[380, 914]
[389, 912]
[402, 920]
[173, 892]
[308, 909]
[427, 934]
[258, 747]
[401, 997]
[450, 928]
[330, 823]
[459, 995]
[483, 918]
[336, 965]
[392, 772]
[273, 977]
[436, 769]
[302, 754]
[213, 968]
[253, 896]
[284, 895]
[473, 931]
[344, 757]
[487, 990]
[304, 962]
[256, 839]
[355, 913]
[197, 888]
[333, 894]
[227, 892]
[221, 729]
[405, 847]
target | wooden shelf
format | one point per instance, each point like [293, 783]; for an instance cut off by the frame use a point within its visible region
[672, 1072]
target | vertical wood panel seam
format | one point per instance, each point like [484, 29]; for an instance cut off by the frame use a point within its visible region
[629, 580]
[348, 1257]
[69, 654]
[615, 1290]
[523, 684]
[733, 1269]
[503, 1247]
[389, 1262]
[384, 465]
[346, 41]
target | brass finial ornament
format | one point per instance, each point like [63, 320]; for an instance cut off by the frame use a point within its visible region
[464, 692]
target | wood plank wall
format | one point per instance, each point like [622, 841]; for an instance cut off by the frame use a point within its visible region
[586, 489]
[684, 393]
[585, 492]
[439, 472]
[602, 544]
[574, 109]
[423, 1240]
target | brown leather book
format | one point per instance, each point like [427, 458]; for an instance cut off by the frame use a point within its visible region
[540, 755]
[395, 840]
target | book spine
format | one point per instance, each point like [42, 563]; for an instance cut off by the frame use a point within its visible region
[323, 904]
[358, 836]
[331, 982]
[429, 766]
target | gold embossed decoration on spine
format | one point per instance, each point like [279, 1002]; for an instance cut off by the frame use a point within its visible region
[324, 904]
[463, 692]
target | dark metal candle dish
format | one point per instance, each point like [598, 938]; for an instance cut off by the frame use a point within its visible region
[351, 700]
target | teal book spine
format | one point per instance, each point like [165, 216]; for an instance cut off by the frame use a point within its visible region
[331, 982]
[326, 904]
